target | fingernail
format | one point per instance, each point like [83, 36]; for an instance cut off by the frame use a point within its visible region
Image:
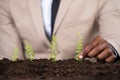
[81, 57]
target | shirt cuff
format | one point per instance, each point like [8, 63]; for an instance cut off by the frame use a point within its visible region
[114, 51]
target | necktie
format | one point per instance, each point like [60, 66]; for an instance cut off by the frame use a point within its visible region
[54, 10]
[46, 11]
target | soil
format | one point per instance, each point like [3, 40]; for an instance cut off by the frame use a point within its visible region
[44, 69]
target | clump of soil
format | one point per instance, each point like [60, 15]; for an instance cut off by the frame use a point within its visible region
[44, 69]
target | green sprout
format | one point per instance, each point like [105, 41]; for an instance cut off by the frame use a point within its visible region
[79, 46]
[15, 54]
[53, 49]
[29, 50]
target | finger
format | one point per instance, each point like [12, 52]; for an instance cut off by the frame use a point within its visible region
[87, 48]
[97, 50]
[92, 45]
[110, 58]
[106, 53]
[96, 40]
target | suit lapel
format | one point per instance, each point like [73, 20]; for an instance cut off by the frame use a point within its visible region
[35, 9]
[64, 6]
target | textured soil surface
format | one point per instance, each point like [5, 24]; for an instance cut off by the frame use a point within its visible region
[70, 69]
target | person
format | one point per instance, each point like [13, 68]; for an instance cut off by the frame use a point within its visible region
[36, 21]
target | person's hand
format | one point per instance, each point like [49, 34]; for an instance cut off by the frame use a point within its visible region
[98, 48]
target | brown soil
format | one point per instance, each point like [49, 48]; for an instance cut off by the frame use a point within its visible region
[70, 69]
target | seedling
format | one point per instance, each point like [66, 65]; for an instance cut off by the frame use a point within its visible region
[53, 49]
[15, 54]
[29, 50]
[78, 46]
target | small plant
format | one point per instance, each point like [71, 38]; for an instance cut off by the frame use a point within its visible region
[53, 49]
[29, 50]
[79, 46]
[15, 54]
